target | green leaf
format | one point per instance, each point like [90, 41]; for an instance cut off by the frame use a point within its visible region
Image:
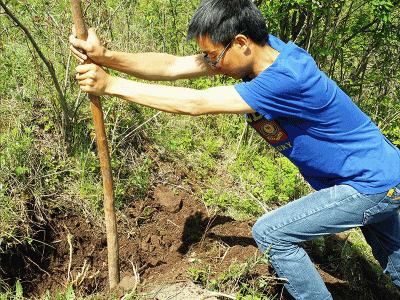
[18, 290]
[69, 293]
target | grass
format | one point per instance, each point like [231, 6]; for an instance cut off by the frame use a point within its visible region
[240, 279]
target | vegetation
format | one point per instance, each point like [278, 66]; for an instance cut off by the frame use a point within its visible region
[48, 160]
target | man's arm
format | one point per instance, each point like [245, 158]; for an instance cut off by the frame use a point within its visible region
[216, 100]
[157, 66]
[148, 66]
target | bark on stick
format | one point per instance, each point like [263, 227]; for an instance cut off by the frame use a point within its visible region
[104, 156]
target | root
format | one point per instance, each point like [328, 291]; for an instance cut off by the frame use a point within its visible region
[70, 237]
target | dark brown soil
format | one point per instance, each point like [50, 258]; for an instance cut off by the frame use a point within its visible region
[162, 236]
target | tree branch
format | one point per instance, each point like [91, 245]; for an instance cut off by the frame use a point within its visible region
[363, 29]
[49, 66]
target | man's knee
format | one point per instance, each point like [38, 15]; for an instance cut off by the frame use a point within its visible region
[257, 233]
[263, 234]
[270, 238]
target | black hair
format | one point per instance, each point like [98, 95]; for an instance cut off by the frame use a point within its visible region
[222, 20]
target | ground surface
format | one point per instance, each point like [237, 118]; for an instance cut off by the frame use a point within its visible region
[163, 236]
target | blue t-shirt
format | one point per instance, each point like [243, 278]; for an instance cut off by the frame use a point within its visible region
[310, 120]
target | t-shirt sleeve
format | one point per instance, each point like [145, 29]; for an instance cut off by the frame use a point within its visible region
[273, 94]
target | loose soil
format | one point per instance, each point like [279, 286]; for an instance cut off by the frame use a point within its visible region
[163, 236]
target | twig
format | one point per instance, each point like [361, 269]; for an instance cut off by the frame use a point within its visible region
[259, 202]
[215, 294]
[210, 221]
[136, 283]
[58, 27]
[67, 72]
[301, 30]
[113, 131]
[277, 278]
[6, 29]
[36, 265]
[173, 223]
[129, 134]
[223, 257]
[112, 15]
[246, 125]
[82, 275]
[388, 120]
[69, 238]
[78, 103]
[48, 64]
[137, 279]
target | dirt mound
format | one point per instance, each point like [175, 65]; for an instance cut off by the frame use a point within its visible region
[163, 236]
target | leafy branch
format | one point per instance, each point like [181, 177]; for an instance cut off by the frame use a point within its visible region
[49, 65]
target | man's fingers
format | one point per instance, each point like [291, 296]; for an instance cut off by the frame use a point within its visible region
[91, 78]
[85, 78]
[85, 68]
[77, 43]
[78, 47]
[78, 55]
[87, 71]
[91, 31]
[88, 83]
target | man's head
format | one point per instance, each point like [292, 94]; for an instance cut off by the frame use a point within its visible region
[222, 20]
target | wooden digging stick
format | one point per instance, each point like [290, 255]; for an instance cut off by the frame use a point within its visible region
[104, 155]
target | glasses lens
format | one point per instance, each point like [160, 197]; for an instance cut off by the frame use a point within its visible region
[206, 58]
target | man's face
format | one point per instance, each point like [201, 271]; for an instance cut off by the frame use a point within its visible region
[224, 60]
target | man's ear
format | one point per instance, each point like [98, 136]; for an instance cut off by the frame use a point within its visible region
[243, 42]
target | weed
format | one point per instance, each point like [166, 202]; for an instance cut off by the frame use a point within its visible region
[239, 279]
[68, 294]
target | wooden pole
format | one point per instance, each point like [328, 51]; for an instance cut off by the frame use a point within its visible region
[104, 156]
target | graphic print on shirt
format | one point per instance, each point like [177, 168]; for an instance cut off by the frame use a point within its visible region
[269, 130]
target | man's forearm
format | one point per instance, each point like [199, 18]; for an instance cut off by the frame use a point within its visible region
[155, 66]
[148, 66]
[165, 98]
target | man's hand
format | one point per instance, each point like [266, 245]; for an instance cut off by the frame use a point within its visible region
[93, 79]
[91, 48]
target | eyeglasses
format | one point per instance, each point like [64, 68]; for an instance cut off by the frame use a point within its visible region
[214, 64]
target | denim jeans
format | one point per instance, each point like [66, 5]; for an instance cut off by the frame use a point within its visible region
[329, 211]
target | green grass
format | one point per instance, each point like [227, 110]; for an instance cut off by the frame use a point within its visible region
[238, 279]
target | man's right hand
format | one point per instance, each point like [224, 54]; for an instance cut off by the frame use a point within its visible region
[91, 48]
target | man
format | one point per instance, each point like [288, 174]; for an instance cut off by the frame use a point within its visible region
[297, 109]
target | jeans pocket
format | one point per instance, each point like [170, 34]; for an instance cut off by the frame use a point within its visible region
[386, 205]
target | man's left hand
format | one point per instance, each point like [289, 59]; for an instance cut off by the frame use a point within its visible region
[92, 79]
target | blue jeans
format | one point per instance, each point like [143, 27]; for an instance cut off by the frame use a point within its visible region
[328, 211]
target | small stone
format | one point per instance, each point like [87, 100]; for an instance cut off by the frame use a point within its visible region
[175, 247]
[127, 282]
[155, 240]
